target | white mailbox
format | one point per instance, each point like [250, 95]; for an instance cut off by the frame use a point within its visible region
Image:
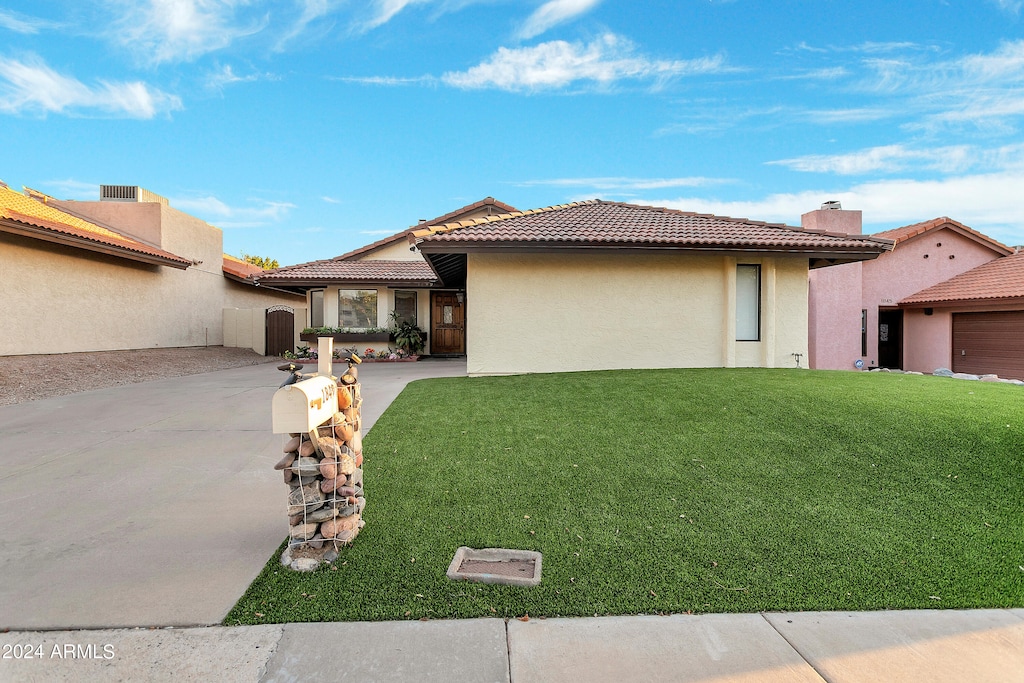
[304, 406]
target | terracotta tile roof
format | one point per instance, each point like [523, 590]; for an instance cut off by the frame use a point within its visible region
[598, 223]
[25, 215]
[999, 279]
[907, 232]
[338, 270]
[499, 207]
[238, 269]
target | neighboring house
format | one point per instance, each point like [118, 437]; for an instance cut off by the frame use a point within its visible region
[604, 285]
[362, 288]
[973, 322]
[126, 272]
[856, 319]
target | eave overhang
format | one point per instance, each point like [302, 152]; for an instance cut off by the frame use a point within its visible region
[35, 232]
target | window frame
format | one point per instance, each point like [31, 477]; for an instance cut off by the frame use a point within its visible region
[756, 269]
[415, 306]
[358, 292]
[313, 293]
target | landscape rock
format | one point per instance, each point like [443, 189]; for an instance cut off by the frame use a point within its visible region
[306, 449]
[310, 497]
[965, 375]
[306, 467]
[346, 464]
[292, 444]
[304, 564]
[284, 462]
[322, 515]
[330, 447]
[943, 372]
[329, 468]
[302, 532]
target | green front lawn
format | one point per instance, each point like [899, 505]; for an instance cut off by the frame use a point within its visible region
[680, 490]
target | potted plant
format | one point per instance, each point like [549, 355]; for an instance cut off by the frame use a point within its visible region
[408, 336]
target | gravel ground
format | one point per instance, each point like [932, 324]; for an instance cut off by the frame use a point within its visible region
[29, 378]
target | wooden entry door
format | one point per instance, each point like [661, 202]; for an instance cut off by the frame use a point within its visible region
[447, 323]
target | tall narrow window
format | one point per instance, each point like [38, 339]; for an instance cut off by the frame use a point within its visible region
[405, 306]
[863, 332]
[357, 308]
[316, 308]
[748, 303]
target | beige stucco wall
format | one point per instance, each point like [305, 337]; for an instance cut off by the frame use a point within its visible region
[566, 312]
[59, 299]
[398, 251]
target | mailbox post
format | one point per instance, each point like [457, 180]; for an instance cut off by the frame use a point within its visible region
[322, 463]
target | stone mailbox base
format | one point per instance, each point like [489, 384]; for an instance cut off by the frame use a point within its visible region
[323, 470]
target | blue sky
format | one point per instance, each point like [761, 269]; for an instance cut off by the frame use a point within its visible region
[306, 128]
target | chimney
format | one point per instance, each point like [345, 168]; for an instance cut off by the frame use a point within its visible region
[831, 217]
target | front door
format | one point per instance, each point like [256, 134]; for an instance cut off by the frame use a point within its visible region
[447, 323]
[890, 339]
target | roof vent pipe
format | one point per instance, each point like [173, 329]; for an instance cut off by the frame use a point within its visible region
[833, 204]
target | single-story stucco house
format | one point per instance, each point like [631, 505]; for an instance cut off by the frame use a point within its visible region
[362, 288]
[605, 285]
[125, 272]
[907, 309]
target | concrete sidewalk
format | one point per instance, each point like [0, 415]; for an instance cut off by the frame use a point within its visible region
[837, 647]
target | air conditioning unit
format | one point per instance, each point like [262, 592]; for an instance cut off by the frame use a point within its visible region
[129, 193]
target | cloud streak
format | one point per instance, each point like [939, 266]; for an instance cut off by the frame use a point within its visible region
[261, 214]
[553, 13]
[160, 31]
[32, 86]
[558, 64]
[20, 23]
[990, 202]
[616, 183]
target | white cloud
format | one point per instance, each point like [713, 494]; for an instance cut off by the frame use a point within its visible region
[33, 86]
[311, 10]
[551, 14]
[20, 23]
[178, 30]
[557, 64]
[382, 11]
[385, 80]
[1012, 6]
[260, 214]
[613, 183]
[887, 158]
[990, 202]
[331, 200]
[985, 91]
[216, 80]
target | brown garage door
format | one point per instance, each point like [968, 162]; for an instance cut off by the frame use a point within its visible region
[986, 343]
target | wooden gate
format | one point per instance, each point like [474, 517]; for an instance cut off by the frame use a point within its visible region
[280, 330]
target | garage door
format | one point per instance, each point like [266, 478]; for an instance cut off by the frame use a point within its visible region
[986, 343]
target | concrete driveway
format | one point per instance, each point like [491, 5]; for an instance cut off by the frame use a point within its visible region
[153, 503]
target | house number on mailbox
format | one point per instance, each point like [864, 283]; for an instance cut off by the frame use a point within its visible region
[328, 394]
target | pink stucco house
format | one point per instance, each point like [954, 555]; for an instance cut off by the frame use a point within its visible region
[866, 314]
